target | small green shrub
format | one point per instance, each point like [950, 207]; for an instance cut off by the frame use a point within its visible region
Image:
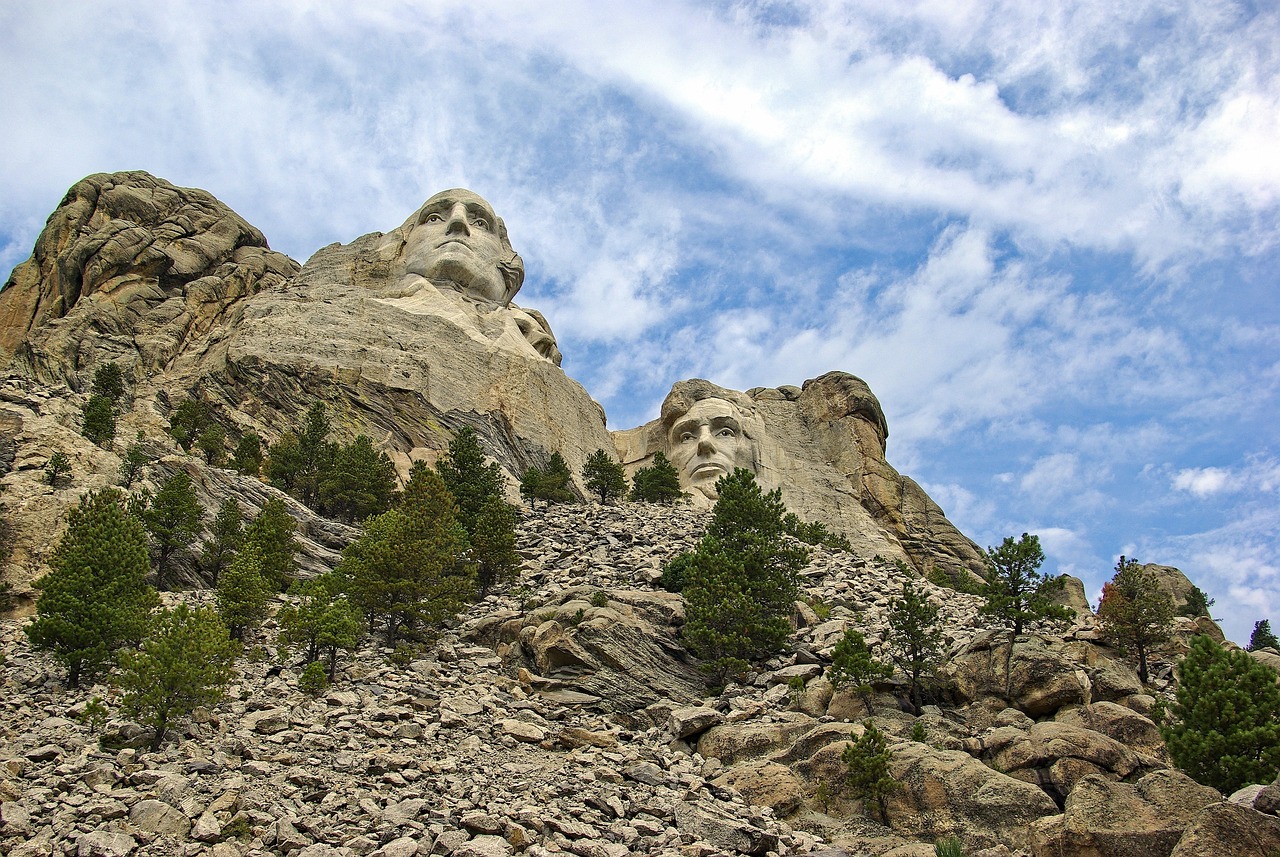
[313, 679]
[599, 599]
[403, 655]
[56, 468]
[918, 732]
[949, 847]
[94, 715]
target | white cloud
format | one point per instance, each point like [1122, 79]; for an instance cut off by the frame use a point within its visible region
[1203, 481]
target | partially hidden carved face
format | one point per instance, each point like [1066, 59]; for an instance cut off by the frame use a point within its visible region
[707, 443]
[459, 240]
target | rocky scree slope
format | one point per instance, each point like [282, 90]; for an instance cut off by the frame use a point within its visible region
[542, 723]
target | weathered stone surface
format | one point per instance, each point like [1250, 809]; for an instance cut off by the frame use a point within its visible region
[1111, 819]
[764, 783]
[1036, 674]
[732, 742]
[684, 722]
[158, 817]
[1228, 830]
[1123, 724]
[105, 843]
[721, 829]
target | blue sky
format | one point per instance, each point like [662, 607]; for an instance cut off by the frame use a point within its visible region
[1046, 234]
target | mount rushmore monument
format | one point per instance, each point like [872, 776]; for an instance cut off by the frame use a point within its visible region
[407, 336]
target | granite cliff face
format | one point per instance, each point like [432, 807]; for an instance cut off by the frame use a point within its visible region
[407, 336]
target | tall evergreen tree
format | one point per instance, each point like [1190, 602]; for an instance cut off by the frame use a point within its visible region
[742, 580]
[271, 532]
[550, 483]
[135, 459]
[1262, 636]
[1135, 612]
[469, 479]
[212, 443]
[604, 476]
[658, 483]
[1016, 591]
[248, 455]
[1226, 722]
[225, 536]
[322, 620]
[914, 640]
[867, 773]
[99, 421]
[853, 666]
[185, 662]
[95, 598]
[173, 522]
[409, 570]
[359, 482]
[244, 591]
[188, 420]
[108, 382]
[493, 545]
[1197, 605]
[315, 455]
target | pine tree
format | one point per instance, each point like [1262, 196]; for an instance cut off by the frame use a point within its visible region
[57, 467]
[95, 598]
[285, 463]
[1262, 637]
[99, 421]
[659, 483]
[409, 569]
[322, 620]
[550, 483]
[271, 533]
[108, 382]
[493, 545]
[135, 459]
[358, 483]
[185, 662]
[243, 591]
[248, 455]
[187, 421]
[854, 667]
[469, 479]
[225, 536]
[1016, 591]
[1135, 612]
[914, 640]
[1197, 605]
[1226, 721]
[173, 522]
[604, 476]
[867, 775]
[742, 581]
[212, 442]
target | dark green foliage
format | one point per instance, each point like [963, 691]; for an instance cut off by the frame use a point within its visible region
[212, 443]
[313, 679]
[358, 482]
[322, 620]
[659, 483]
[949, 847]
[187, 421]
[173, 521]
[742, 581]
[469, 479]
[1198, 603]
[99, 421]
[243, 591]
[1016, 592]
[676, 572]
[914, 640]
[409, 570]
[815, 533]
[271, 533]
[1226, 723]
[95, 598]
[1262, 637]
[135, 459]
[854, 667]
[300, 459]
[285, 462]
[550, 483]
[57, 467]
[918, 733]
[867, 775]
[493, 544]
[959, 580]
[184, 662]
[108, 382]
[225, 535]
[604, 476]
[1134, 611]
[248, 455]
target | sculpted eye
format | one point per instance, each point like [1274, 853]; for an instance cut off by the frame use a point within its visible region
[686, 437]
[433, 217]
[481, 222]
[726, 432]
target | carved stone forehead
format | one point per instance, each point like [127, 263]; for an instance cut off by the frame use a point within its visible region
[447, 199]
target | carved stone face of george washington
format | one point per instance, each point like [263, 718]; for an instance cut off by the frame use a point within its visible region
[458, 240]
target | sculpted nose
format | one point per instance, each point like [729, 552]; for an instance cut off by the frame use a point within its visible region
[457, 221]
[705, 444]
